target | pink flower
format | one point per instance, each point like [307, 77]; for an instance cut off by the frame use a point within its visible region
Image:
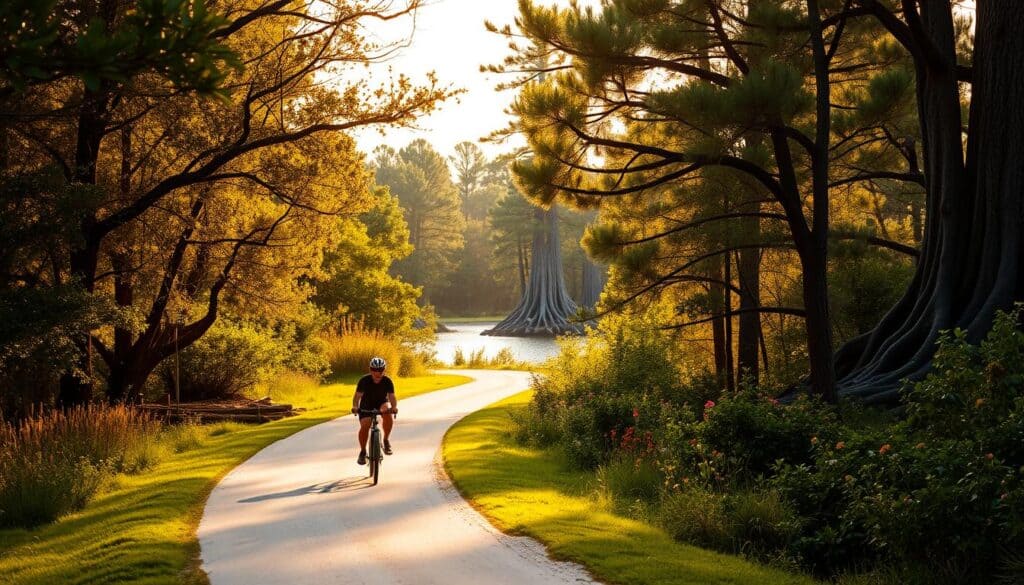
[709, 404]
[636, 413]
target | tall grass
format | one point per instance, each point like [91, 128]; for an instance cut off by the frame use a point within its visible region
[503, 359]
[350, 348]
[52, 463]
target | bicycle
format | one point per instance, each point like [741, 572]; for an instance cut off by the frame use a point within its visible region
[374, 446]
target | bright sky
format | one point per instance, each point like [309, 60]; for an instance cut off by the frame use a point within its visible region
[450, 39]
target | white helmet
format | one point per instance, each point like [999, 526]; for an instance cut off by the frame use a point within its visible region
[377, 363]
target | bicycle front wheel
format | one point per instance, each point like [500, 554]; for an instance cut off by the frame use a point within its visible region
[375, 457]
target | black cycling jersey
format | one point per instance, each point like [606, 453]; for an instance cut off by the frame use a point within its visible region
[374, 394]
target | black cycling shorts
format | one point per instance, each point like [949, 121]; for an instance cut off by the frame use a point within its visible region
[363, 415]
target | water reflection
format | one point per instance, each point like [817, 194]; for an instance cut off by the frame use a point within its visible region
[467, 337]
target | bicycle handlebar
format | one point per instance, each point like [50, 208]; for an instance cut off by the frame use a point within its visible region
[375, 411]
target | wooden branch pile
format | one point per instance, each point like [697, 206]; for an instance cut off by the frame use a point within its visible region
[257, 411]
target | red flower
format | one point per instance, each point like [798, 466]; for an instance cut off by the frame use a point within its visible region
[885, 449]
[709, 404]
[636, 413]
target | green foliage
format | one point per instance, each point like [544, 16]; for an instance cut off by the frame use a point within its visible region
[421, 180]
[171, 38]
[832, 490]
[760, 523]
[696, 516]
[627, 480]
[358, 284]
[753, 432]
[864, 282]
[951, 470]
[230, 359]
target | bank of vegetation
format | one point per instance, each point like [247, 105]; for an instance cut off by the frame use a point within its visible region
[929, 494]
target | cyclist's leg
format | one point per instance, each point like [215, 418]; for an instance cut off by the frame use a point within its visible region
[388, 421]
[364, 432]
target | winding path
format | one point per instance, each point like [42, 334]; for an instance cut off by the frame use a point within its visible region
[303, 512]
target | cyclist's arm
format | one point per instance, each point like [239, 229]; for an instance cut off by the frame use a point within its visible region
[394, 402]
[355, 401]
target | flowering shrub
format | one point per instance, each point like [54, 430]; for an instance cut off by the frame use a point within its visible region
[754, 432]
[938, 493]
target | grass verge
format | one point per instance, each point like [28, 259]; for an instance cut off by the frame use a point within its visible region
[142, 529]
[530, 492]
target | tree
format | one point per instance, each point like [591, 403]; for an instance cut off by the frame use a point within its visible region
[513, 222]
[969, 262]
[546, 309]
[206, 202]
[418, 175]
[750, 95]
[357, 283]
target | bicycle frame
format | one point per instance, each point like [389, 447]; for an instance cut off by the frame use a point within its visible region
[375, 449]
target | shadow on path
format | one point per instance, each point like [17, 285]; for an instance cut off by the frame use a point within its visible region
[357, 482]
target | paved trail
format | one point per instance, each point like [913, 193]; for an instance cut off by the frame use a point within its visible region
[303, 512]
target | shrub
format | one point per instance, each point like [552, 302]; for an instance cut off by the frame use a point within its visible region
[626, 479]
[537, 429]
[760, 522]
[696, 516]
[754, 432]
[231, 358]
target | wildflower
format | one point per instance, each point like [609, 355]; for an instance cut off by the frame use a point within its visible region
[989, 456]
[709, 404]
[919, 446]
[636, 413]
[814, 440]
[885, 449]
[848, 477]
[979, 402]
[774, 401]
[840, 445]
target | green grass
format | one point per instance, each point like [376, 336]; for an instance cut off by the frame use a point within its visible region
[142, 529]
[531, 492]
[477, 319]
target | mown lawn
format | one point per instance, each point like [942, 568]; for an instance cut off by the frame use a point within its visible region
[531, 492]
[142, 529]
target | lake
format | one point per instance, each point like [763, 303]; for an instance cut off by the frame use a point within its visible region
[467, 336]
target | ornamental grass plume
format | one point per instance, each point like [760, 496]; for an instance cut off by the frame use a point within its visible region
[54, 462]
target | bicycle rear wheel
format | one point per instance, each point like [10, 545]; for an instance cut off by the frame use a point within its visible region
[375, 456]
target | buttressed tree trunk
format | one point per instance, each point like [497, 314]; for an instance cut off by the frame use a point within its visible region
[546, 307]
[593, 283]
[970, 258]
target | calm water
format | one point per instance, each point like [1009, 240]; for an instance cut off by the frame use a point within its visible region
[467, 336]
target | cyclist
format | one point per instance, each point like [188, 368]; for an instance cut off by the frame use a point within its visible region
[374, 391]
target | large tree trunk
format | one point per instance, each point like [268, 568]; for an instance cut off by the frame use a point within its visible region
[592, 285]
[546, 307]
[969, 263]
[77, 389]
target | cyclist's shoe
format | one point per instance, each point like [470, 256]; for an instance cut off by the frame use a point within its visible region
[362, 458]
[387, 447]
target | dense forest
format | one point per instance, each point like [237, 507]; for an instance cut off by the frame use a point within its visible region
[805, 213]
